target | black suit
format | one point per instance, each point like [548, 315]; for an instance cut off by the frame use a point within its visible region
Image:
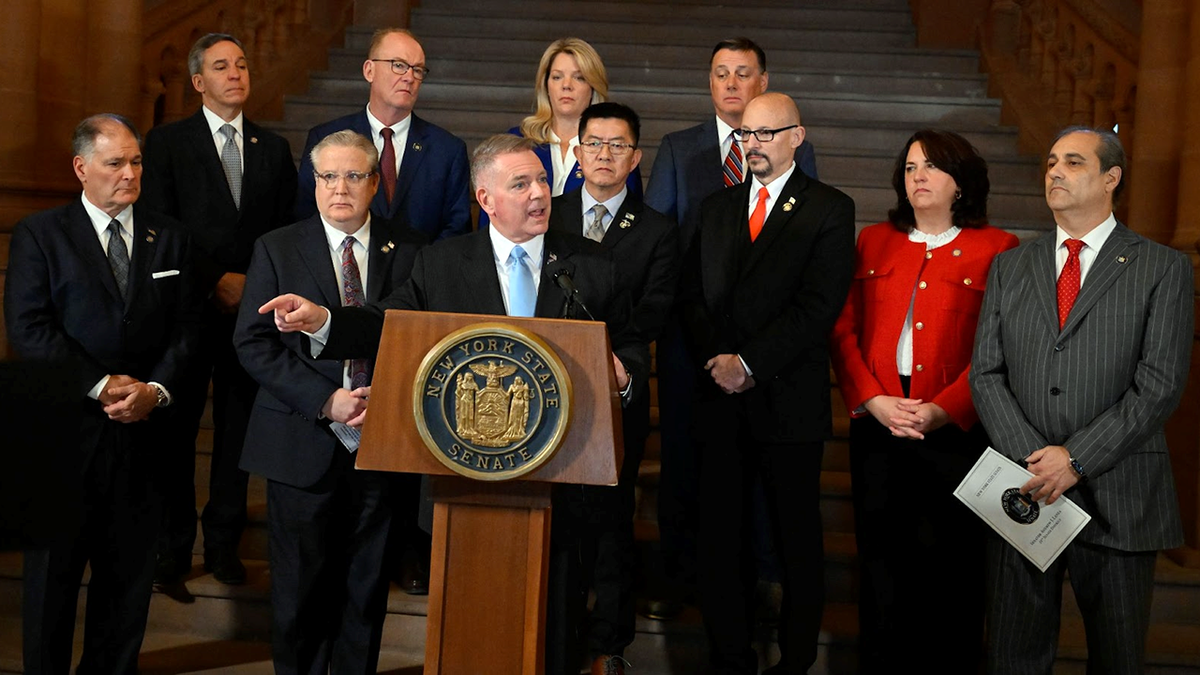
[773, 302]
[184, 179]
[62, 305]
[328, 522]
[645, 249]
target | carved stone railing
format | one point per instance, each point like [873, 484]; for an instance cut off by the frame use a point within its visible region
[1073, 54]
[284, 41]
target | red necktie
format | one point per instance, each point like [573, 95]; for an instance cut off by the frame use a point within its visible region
[387, 165]
[733, 164]
[760, 213]
[1068, 281]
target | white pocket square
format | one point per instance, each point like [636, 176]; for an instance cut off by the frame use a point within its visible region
[164, 273]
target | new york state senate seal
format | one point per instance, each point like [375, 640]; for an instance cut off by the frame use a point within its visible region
[492, 401]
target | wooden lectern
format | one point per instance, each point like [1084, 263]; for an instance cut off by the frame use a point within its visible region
[491, 540]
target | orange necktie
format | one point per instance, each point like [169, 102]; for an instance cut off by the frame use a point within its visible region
[760, 213]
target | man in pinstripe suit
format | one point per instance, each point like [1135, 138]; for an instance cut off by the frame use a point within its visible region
[1081, 355]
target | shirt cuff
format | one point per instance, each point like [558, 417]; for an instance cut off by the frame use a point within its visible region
[749, 373]
[320, 336]
[94, 392]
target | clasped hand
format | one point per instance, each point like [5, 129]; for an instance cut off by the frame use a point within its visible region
[127, 399]
[729, 373]
[907, 417]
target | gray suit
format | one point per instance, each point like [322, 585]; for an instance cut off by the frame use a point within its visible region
[1102, 387]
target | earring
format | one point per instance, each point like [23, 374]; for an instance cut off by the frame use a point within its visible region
[957, 195]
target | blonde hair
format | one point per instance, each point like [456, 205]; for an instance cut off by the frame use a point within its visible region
[539, 125]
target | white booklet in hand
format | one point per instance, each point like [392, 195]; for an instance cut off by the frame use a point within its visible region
[992, 489]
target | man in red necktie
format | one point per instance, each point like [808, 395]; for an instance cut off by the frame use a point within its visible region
[770, 269]
[1081, 355]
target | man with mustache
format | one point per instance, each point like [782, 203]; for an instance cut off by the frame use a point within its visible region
[764, 282]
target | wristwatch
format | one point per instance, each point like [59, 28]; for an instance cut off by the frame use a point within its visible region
[162, 395]
[1078, 468]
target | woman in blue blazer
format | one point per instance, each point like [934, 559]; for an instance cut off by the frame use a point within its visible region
[570, 77]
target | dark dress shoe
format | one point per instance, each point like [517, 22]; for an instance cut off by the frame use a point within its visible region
[225, 566]
[172, 567]
[662, 610]
[609, 665]
[415, 581]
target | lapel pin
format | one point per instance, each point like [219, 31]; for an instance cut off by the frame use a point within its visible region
[416, 146]
[254, 139]
[151, 231]
[387, 248]
[550, 257]
[624, 224]
[149, 239]
[957, 252]
[790, 202]
[578, 173]
[1121, 259]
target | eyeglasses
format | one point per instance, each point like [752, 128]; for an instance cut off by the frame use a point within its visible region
[401, 67]
[617, 148]
[353, 178]
[763, 135]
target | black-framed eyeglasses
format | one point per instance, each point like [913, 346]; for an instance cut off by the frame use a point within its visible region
[352, 177]
[617, 148]
[401, 67]
[763, 135]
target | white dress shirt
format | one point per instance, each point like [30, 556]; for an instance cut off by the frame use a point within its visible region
[611, 204]
[561, 165]
[1092, 241]
[501, 248]
[774, 190]
[214, 126]
[399, 136]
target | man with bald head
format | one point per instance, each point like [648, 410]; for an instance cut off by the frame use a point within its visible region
[422, 167]
[766, 278]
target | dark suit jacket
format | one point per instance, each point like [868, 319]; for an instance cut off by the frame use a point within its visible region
[459, 275]
[687, 169]
[645, 252]
[773, 301]
[184, 179]
[1103, 386]
[61, 302]
[285, 441]
[575, 180]
[432, 187]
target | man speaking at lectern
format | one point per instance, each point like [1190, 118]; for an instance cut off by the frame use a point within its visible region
[513, 268]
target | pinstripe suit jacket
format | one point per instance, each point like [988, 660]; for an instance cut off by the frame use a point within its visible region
[1102, 387]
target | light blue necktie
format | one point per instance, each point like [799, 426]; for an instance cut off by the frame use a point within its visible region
[522, 297]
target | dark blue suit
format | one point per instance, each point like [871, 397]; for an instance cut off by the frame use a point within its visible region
[328, 523]
[61, 304]
[432, 187]
[575, 179]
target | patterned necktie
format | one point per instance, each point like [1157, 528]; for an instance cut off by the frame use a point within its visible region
[232, 161]
[1068, 281]
[387, 165]
[760, 213]
[352, 294]
[521, 294]
[118, 256]
[595, 230]
[733, 163]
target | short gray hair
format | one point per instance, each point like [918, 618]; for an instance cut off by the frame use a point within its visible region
[347, 139]
[83, 141]
[196, 55]
[1111, 152]
[501, 144]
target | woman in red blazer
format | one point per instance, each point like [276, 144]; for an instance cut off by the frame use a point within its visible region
[902, 350]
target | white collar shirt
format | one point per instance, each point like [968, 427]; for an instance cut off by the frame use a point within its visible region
[1093, 241]
[214, 127]
[501, 248]
[399, 136]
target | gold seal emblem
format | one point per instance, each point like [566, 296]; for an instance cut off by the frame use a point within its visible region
[493, 401]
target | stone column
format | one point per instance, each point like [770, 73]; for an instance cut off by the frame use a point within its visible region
[114, 37]
[65, 67]
[1154, 173]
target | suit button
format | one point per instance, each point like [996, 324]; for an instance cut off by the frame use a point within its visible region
[919, 326]
[921, 285]
[1059, 347]
[870, 271]
[1055, 391]
[920, 368]
[126, 321]
[928, 255]
[967, 281]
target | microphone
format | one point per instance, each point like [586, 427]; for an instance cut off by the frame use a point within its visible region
[562, 279]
